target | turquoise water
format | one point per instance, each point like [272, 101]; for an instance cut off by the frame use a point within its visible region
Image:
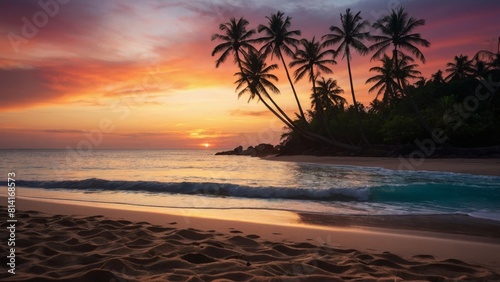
[198, 179]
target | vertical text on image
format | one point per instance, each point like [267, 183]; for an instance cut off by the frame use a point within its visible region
[11, 222]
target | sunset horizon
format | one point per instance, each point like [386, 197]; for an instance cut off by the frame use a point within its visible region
[219, 140]
[123, 75]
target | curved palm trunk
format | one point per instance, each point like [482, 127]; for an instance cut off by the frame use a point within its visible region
[363, 137]
[288, 122]
[403, 89]
[293, 87]
[285, 119]
[305, 134]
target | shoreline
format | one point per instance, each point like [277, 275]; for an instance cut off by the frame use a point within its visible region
[487, 167]
[453, 226]
[385, 242]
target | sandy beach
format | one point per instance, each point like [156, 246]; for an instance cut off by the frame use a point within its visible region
[63, 241]
[457, 165]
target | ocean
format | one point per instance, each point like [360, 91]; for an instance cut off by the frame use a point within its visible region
[196, 179]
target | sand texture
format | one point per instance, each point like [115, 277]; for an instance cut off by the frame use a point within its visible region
[96, 248]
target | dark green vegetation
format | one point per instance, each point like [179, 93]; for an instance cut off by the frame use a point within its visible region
[446, 114]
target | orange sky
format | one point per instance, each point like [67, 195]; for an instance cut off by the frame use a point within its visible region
[127, 74]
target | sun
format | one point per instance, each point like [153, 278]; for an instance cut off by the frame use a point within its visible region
[205, 145]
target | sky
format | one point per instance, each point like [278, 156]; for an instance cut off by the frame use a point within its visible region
[126, 74]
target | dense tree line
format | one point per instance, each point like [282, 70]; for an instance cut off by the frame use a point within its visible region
[456, 108]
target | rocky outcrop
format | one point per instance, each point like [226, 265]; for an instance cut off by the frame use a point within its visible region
[260, 150]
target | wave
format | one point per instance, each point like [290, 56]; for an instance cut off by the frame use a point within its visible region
[449, 194]
[206, 189]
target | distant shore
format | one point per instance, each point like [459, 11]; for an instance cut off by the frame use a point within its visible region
[489, 167]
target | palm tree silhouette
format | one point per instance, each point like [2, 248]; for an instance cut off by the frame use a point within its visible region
[407, 70]
[311, 60]
[236, 39]
[277, 40]
[481, 68]
[397, 30]
[460, 68]
[493, 60]
[328, 95]
[255, 68]
[438, 77]
[384, 80]
[351, 35]
[256, 77]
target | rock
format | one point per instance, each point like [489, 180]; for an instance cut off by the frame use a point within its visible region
[266, 150]
[260, 150]
[236, 152]
[250, 152]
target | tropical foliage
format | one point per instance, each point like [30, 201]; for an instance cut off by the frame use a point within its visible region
[456, 108]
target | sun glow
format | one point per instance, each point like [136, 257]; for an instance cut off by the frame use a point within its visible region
[205, 145]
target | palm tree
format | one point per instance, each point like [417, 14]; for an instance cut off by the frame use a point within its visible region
[397, 30]
[493, 59]
[311, 60]
[256, 77]
[438, 77]
[350, 35]
[384, 80]
[236, 39]
[461, 68]
[328, 95]
[481, 68]
[421, 82]
[254, 67]
[278, 40]
[407, 70]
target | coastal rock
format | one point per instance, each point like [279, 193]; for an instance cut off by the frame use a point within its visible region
[260, 150]
[236, 152]
[250, 152]
[266, 149]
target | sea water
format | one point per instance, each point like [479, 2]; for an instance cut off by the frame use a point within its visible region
[197, 179]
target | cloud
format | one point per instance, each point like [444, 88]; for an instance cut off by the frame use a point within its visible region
[58, 81]
[30, 25]
[208, 134]
[239, 112]
[58, 131]
[20, 87]
[20, 138]
[94, 52]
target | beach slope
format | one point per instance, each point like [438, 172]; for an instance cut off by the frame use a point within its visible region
[67, 242]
